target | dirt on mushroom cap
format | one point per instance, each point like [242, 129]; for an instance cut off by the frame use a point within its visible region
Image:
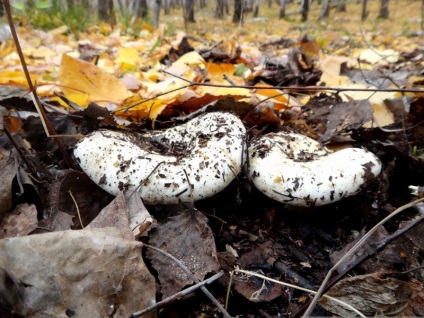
[297, 170]
[209, 158]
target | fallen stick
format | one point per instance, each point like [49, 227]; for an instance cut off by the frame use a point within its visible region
[178, 295]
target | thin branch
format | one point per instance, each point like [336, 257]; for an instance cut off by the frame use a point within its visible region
[237, 270]
[352, 251]
[76, 205]
[291, 89]
[178, 295]
[48, 128]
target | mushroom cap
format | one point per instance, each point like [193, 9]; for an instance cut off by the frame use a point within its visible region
[297, 170]
[204, 154]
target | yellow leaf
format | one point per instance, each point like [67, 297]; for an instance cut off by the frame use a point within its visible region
[84, 82]
[137, 108]
[16, 78]
[128, 58]
[223, 91]
[191, 59]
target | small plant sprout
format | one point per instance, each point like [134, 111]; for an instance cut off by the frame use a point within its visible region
[297, 170]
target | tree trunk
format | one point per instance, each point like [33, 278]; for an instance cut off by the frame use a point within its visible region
[282, 8]
[189, 11]
[106, 11]
[364, 10]
[156, 11]
[341, 6]
[202, 4]
[305, 10]
[248, 5]
[167, 4]
[219, 11]
[256, 8]
[325, 10]
[238, 11]
[384, 9]
[141, 9]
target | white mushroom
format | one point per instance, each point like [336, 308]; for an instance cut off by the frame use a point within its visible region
[297, 170]
[204, 154]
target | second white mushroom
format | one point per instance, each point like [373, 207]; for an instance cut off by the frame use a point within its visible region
[297, 170]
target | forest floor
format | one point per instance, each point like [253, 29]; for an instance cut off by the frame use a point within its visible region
[275, 75]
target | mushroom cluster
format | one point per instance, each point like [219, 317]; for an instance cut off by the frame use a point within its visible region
[185, 163]
[198, 159]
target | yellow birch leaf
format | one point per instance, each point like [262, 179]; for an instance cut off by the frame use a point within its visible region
[84, 82]
[223, 91]
[137, 107]
[128, 58]
[191, 59]
[16, 77]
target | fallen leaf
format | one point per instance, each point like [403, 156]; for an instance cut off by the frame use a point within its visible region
[8, 170]
[125, 211]
[87, 273]
[188, 238]
[78, 184]
[84, 82]
[370, 295]
[347, 116]
[20, 222]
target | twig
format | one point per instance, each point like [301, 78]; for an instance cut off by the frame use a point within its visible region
[227, 297]
[190, 274]
[178, 295]
[352, 251]
[237, 270]
[48, 128]
[286, 88]
[76, 205]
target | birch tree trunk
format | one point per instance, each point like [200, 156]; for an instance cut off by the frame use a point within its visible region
[256, 8]
[156, 11]
[325, 9]
[106, 11]
[305, 10]
[238, 11]
[189, 11]
[384, 9]
[220, 8]
[282, 8]
[364, 10]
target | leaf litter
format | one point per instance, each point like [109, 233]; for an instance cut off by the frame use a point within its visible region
[129, 88]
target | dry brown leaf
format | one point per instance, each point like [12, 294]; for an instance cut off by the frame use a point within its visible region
[20, 222]
[187, 237]
[125, 211]
[79, 184]
[346, 116]
[370, 295]
[87, 273]
[8, 170]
